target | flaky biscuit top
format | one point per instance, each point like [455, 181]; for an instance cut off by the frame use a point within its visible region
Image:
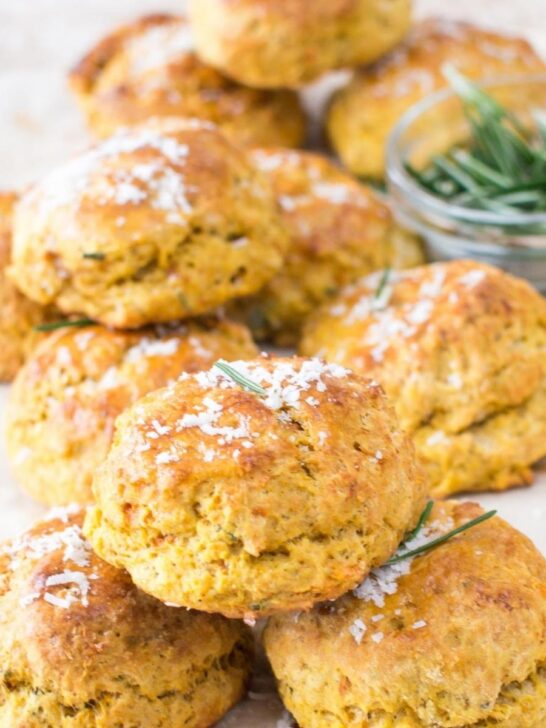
[462, 332]
[64, 402]
[453, 637]
[158, 222]
[262, 501]
[149, 68]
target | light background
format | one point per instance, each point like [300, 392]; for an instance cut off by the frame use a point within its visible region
[39, 126]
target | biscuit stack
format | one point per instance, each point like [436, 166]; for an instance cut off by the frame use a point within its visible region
[198, 485]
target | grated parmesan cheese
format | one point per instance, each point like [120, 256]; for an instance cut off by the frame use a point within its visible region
[62, 513]
[436, 438]
[156, 181]
[57, 601]
[472, 278]
[383, 581]
[284, 384]
[152, 347]
[159, 46]
[338, 194]
[76, 578]
[75, 549]
[357, 630]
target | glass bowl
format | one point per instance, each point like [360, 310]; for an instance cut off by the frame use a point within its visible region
[516, 243]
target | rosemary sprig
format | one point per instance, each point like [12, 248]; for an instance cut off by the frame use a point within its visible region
[423, 518]
[501, 159]
[94, 256]
[241, 380]
[378, 301]
[378, 185]
[54, 325]
[441, 539]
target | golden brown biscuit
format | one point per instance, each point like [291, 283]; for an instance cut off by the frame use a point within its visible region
[229, 501]
[362, 115]
[82, 647]
[158, 222]
[148, 68]
[459, 347]
[340, 230]
[278, 43]
[455, 637]
[65, 400]
[18, 315]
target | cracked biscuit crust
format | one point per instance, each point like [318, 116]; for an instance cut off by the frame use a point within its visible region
[220, 499]
[65, 400]
[81, 647]
[159, 222]
[363, 113]
[287, 43]
[459, 347]
[148, 68]
[456, 642]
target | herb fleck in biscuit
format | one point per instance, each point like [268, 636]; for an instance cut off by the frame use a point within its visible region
[250, 502]
[455, 637]
[82, 647]
[363, 113]
[148, 68]
[277, 43]
[157, 223]
[459, 348]
[65, 400]
[339, 229]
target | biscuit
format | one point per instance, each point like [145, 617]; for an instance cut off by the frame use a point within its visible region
[148, 68]
[278, 43]
[340, 230]
[459, 348]
[225, 500]
[82, 647]
[18, 315]
[156, 223]
[455, 637]
[64, 402]
[363, 113]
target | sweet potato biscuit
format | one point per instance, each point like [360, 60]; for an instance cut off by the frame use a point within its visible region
[226, 500]
[453, 638]
[82, 647]
[363, 114]
[277, 43]
[156, 223]
[148, 68]
[18, 315]
[65, 400]
[459, 347]
[340, 230]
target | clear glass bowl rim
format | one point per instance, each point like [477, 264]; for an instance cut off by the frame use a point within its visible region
[420, 198]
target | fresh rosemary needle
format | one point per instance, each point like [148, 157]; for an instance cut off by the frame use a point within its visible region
[53, 325]
[94, 256]
[241, 380]
[378, 301]
[423, 518]
[441, 539]
[502, 167]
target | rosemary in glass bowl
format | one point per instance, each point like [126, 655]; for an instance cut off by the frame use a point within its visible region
[501, 168]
